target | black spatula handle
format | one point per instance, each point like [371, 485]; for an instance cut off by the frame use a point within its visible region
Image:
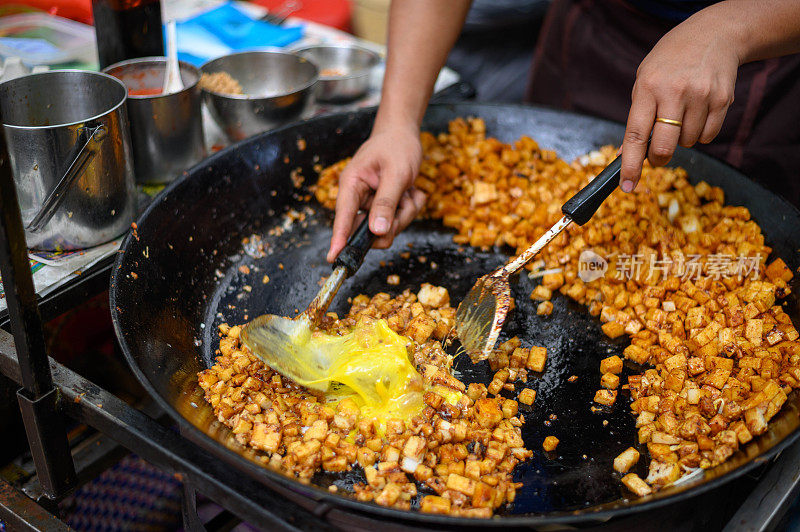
[353, 253]
[581, 207]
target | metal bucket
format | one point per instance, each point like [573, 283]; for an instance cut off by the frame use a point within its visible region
[166, 129]
[67, 136]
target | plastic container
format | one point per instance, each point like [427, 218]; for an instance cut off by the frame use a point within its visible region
[334, 13]
[80, 10]
[41, 39]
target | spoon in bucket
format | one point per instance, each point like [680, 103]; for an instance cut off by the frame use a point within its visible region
[172, 73]
[480, 316]
[277, 341]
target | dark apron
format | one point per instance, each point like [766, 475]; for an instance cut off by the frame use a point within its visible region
[586, 60]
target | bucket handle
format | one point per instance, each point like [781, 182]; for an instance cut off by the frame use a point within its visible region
[80, 155]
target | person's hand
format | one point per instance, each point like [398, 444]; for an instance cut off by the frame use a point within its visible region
[380, 178]
[689, 76]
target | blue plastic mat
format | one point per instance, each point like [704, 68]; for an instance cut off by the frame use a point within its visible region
[227, 29]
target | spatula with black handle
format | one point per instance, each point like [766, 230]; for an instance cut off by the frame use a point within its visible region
[480, 316]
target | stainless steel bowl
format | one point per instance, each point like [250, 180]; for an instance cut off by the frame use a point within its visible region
[344, 70]
[166, 129]
[278, 88]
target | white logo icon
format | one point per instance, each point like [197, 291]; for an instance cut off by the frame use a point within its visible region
[591, 266]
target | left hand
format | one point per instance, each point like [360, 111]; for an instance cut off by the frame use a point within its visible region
[688, 76]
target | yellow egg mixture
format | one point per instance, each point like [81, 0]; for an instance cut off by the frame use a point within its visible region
[371, 366]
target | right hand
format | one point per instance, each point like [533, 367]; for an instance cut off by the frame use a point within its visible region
[380, 178]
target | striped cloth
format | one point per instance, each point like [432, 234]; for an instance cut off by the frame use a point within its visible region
[131, 496]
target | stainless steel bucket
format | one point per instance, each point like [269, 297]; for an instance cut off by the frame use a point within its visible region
[166, 129]
[67, 136]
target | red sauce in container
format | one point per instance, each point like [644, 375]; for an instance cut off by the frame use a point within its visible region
[144, 92]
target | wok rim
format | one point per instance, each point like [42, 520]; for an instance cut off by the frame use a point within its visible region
[318, 496]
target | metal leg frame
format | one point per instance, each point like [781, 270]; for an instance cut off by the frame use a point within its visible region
[18, 512]
[222, 522]
[779, 488]
[38, 398]
[191, 521]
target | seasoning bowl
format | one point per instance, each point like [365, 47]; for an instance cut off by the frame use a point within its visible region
[166, 129]
[345, 70]
[277, 89]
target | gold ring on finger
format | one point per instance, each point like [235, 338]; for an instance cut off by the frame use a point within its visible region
[670, 121]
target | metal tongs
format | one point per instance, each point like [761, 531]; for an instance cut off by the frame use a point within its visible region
[480, 316]
[275, 340]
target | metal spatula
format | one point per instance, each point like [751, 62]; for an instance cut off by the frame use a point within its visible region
[480, 316]
[275, 340]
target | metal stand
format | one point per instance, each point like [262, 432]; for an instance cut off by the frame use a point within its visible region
[765, 507]
[191, 521]
[21, 513]
[38, 398]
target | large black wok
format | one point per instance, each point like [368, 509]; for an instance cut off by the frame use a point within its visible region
[178, 278]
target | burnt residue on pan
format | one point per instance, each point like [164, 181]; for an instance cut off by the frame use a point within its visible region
[191, 281]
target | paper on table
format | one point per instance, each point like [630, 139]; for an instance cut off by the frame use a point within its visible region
[52, 269]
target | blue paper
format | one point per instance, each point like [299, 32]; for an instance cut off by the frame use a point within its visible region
[31, 45]
[227, 29]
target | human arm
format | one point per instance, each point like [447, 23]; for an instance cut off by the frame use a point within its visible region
[690, 74]
[381, 174]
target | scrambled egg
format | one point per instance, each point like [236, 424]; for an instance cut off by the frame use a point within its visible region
[371, 366]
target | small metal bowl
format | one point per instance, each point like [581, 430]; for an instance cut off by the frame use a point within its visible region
[344, 70]
[278, 88]
[166, 129]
